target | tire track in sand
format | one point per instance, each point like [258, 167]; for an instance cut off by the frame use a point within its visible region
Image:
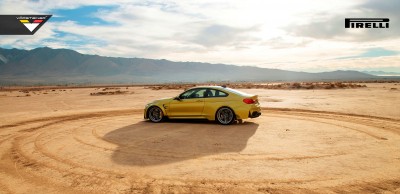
[80, 153]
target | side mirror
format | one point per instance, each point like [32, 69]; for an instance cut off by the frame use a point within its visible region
[177, 98]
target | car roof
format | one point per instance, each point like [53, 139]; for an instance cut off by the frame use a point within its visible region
[214, 87]
[225, 89]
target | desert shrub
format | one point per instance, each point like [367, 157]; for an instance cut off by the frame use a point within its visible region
[108, 93]
[105, 89]
[309, 87]
[341, 85]
[296, 85]
[286, 85]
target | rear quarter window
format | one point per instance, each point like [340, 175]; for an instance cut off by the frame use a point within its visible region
[218, 93]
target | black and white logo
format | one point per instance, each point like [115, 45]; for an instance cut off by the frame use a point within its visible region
[21, 24]
[366, 22]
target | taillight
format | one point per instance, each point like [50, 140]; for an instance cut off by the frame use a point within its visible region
[248, 101]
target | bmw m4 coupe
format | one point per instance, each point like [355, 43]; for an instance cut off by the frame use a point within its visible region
[219, 103]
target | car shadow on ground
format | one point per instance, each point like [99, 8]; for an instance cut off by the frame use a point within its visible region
[146, 143]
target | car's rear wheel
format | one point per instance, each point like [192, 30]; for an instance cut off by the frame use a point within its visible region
[155, 114]
[225, 116]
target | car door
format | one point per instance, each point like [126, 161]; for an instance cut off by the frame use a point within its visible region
[190, 104]
[214, 100]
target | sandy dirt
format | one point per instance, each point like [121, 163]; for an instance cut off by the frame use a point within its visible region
[321, 141]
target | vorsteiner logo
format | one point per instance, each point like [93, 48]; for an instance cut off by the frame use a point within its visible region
[366, 22]
[21, 24]
[31, 22]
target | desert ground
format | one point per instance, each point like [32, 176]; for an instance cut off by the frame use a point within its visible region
[95, 140]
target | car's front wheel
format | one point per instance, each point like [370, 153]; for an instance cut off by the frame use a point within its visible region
[155, 114]
[225, 116]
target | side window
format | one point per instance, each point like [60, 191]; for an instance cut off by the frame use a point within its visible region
[195, 93]
[187, 94]
[220, 93]
[201, 93]
[216, 93]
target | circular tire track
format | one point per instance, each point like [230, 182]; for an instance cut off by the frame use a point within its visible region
[285, 150]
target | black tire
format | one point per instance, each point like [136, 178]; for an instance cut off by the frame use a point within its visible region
[155, 114]
[225, 116]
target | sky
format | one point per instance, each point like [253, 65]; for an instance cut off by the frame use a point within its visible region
[298, 35]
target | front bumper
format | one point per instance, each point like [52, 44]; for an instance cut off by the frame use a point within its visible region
[145, 112]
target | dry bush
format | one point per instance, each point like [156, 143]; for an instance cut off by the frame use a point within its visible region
[296, 85]
[341, 85]
[105, 89]
[171, 87]
[118, 92]
[309, 87]
[282, 86]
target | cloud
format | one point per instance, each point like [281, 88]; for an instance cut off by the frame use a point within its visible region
[373, 52]
[331, 26]
[218, 31]
[359, 63]
[221, 35]
[387, 7]
[46, 6]
[84, 15]
[285, 43]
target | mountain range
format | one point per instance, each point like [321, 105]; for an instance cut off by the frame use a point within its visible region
[59, 66]
[382, 73]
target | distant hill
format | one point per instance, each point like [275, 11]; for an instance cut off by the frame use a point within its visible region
[382, 73]
[57, 66]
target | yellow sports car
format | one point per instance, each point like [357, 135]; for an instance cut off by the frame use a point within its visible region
[219, 103]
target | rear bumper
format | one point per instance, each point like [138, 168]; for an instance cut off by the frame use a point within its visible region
[247, 111]
[254, 114]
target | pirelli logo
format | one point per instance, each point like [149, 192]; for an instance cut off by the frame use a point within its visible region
[366, 22]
